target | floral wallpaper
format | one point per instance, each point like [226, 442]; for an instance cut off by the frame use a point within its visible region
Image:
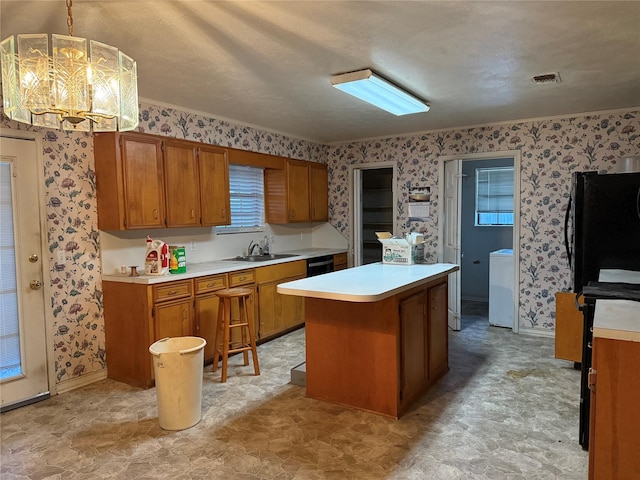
[551, 149]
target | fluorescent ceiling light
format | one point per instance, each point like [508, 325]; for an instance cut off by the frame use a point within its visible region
[373, 89]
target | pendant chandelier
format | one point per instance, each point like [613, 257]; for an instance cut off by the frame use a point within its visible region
[70, 89]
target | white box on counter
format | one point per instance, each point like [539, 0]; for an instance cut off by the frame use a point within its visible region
[398, 251]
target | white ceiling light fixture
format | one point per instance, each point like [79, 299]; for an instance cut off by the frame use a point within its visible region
[372, 88]
[68, 89]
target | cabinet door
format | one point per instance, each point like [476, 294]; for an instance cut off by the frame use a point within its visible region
[181, 181]
[173, 319]
[614, 441]
[340, 261]
[143, 182]
[206, 313]
[292, 307]
[298, 191]
[414, 371]
[214, 186]
[270, 307]
[438, 334]
[318, 192]
[279, 312]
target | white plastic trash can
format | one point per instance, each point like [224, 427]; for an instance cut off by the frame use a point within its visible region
[178, 366]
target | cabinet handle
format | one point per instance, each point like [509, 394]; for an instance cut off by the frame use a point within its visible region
[155, 213]
[173, 292]
[589, 345]
[591, 379]
[193, 213]
[210, 284]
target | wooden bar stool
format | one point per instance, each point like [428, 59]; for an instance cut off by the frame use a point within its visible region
[225, 344]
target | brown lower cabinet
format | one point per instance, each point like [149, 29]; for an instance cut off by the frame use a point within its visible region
[279, 313]
[136, 315]
[340, 261]
[614, 380]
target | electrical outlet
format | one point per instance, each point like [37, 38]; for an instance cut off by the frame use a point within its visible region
[62, 259]
[192, 245]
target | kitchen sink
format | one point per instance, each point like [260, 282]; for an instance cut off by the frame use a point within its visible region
[261, 258]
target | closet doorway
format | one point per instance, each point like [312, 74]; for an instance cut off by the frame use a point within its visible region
[373, 204]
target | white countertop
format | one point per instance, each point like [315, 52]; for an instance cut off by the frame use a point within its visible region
[220, 266]
[368, 283]
[619, 276]
[617, 319]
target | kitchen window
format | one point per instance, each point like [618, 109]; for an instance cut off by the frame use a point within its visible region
[494, 197]
[246, 190]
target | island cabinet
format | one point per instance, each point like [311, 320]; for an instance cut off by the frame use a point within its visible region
[379, 356]
[147, 181]
[278, 313]
[296, 194]
[423, 342]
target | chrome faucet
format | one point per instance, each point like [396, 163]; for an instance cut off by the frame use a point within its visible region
[252, 247]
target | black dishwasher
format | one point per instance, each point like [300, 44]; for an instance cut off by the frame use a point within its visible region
[319, 265]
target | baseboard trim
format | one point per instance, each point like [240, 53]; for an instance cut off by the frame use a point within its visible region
[81, 381]
[537, 332]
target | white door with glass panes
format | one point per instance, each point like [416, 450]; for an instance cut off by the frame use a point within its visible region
[23, 359]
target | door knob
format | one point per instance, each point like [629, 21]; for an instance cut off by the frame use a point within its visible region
[33, 258]
[35, 284]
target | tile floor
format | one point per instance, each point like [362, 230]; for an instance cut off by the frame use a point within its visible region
[505, 410]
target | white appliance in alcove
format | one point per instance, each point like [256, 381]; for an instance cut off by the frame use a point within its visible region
[501, 298]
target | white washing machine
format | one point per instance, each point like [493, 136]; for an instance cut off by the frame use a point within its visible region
[501, 300]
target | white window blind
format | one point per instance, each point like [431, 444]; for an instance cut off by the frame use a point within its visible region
[494, 196]
[10, 360]
[246, 189]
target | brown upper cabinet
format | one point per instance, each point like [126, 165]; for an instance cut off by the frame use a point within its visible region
[297, 194]
[319, 192]
[145, 181]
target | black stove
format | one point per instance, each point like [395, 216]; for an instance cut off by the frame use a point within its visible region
[592, 292]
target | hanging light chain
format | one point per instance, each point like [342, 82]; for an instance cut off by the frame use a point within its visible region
[70, 17]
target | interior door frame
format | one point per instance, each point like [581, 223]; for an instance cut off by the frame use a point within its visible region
[46, 261]
[515, 154]
[355, 204]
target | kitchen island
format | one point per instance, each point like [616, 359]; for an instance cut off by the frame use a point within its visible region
[376, 335]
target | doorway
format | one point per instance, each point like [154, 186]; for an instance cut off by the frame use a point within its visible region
[373, 205]
[470, 236]
[23, 362]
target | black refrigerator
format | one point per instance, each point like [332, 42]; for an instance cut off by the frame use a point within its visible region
[602, 232]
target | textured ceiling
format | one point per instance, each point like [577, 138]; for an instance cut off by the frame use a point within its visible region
[268, 64]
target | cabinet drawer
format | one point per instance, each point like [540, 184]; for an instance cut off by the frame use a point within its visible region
[340, 259]
[172, 291]
[210, 283]
[242, 277]
[281, 270]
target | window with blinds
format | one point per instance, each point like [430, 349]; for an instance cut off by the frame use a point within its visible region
[246, 189]
[494, 196]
